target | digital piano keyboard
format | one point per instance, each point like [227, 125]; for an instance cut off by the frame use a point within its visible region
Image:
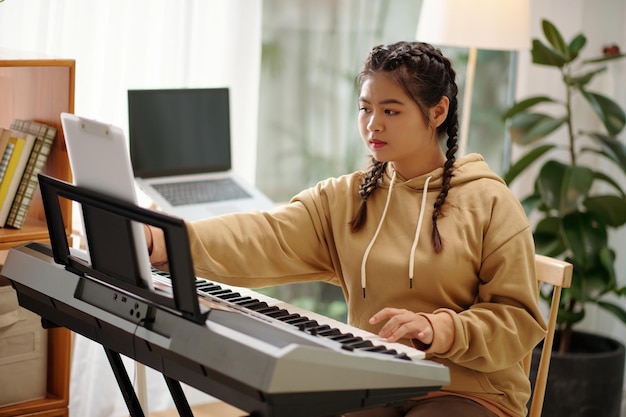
[257, 353]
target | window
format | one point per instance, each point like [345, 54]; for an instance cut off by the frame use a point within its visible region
[312, 51]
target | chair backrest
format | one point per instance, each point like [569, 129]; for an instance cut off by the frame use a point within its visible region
[559, 274]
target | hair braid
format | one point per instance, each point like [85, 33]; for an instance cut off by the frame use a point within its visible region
[451, 143]
[369, 184]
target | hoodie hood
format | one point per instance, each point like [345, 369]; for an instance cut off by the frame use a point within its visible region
[467, 168]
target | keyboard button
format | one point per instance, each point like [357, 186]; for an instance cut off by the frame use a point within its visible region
[204, 191]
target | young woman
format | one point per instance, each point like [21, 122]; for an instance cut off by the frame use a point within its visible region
[430, 251]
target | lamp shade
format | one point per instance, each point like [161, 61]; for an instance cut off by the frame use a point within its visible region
[481, 24]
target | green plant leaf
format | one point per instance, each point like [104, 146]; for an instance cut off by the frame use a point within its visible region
[531, 203]
[525, 104]
[603, 58]
[607, 259]
[614, 309]
[550, 184]
[569, 317]
[554, 37]
[595, 282]
[576, 45]
[581, 80]
[543, 55]
[600, 176]
[610, 113]
[547, 235]
[610, 208]
[612, 148]
[527, 128]
[563, 187]
[522, 164]
[585, 236]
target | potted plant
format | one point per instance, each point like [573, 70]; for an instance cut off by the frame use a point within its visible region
[574, 204]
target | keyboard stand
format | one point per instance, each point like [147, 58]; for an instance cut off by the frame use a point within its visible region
[123, 381]
[176, 391]
[128, 391]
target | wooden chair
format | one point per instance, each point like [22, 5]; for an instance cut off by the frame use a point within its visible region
[559, 274]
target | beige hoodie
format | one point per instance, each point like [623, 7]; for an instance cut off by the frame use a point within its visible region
[484, 279]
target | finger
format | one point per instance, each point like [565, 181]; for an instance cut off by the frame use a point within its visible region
[384, 314]
[395, 323]
[399, 332]
[426, 335]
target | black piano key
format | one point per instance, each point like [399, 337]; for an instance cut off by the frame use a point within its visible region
[240, 300]
[230, 296]
[375, 348]
[278, 313]
[205, 283]
[267, 310]
[251, 301]
[255, 305]
[349, 341]
[359, 344]
[207, 288]
[306, 324]
[330, 332]
[220, 292]
[290, 316]
[342, 336]
[320, 328]
[296, 320]
[161, 273]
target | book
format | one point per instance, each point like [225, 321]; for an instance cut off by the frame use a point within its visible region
[5, 134]
[23, 144]
[9, 164]
[6, 156]
[44, 137]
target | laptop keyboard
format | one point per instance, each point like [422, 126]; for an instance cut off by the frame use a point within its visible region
[204, 191]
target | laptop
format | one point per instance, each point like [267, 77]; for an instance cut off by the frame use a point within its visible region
[180, 148]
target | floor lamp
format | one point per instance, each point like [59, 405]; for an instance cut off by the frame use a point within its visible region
[475, 24]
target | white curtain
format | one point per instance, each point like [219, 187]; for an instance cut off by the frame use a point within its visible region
[120, 45]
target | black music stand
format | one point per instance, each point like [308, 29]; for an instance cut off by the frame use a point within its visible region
[114, 263]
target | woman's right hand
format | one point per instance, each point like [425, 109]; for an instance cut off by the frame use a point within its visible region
[155, 241]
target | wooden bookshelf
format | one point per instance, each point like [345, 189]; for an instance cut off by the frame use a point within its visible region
[40, 89]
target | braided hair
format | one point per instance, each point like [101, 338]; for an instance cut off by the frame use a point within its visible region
[426, 76]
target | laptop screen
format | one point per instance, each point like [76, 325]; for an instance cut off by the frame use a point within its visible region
[179, 131]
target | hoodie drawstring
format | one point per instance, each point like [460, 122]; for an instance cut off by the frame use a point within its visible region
[417, 232]
[380, 224]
